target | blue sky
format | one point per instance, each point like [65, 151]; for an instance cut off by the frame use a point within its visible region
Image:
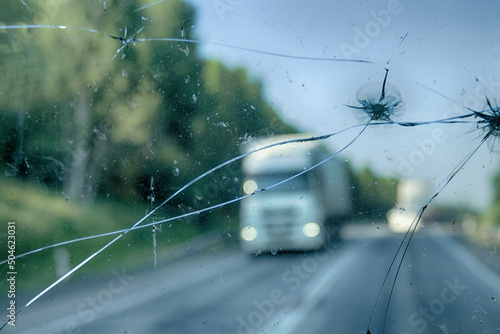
[451, 47]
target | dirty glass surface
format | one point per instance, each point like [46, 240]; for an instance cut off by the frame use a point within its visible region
[264, 181]
[124, 126]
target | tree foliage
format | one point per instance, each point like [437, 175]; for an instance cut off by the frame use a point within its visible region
[494, 214]
[94, 122]
[372, 195]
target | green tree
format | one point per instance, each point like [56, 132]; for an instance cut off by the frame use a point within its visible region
[372, 196]
[494, 212]
[88, 120]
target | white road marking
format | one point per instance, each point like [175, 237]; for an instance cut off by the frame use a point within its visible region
[479, 269]
[288, 319]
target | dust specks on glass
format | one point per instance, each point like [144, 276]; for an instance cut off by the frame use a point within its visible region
[257, 158]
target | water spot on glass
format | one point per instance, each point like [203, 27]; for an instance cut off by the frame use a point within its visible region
[176, 171]
[274, 249]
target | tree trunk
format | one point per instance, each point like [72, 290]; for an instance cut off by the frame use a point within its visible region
[78, 134]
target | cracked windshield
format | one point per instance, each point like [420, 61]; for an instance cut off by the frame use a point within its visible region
[237, 166]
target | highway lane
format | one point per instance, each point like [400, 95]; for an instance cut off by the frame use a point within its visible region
[441, 288]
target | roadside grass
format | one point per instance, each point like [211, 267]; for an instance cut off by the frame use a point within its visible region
[45, 218]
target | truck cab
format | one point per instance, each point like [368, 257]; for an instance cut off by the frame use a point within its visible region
[291, 208]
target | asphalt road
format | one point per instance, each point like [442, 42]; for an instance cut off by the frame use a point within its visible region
[443, 286]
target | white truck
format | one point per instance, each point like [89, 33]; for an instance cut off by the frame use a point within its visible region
[411, 195]
[303, 213]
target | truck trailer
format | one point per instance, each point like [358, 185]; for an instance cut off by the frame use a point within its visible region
[303, 213]
[412, 194]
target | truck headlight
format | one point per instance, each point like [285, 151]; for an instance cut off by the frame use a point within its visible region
[311, 230]
[248, 233]
[249, 186]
